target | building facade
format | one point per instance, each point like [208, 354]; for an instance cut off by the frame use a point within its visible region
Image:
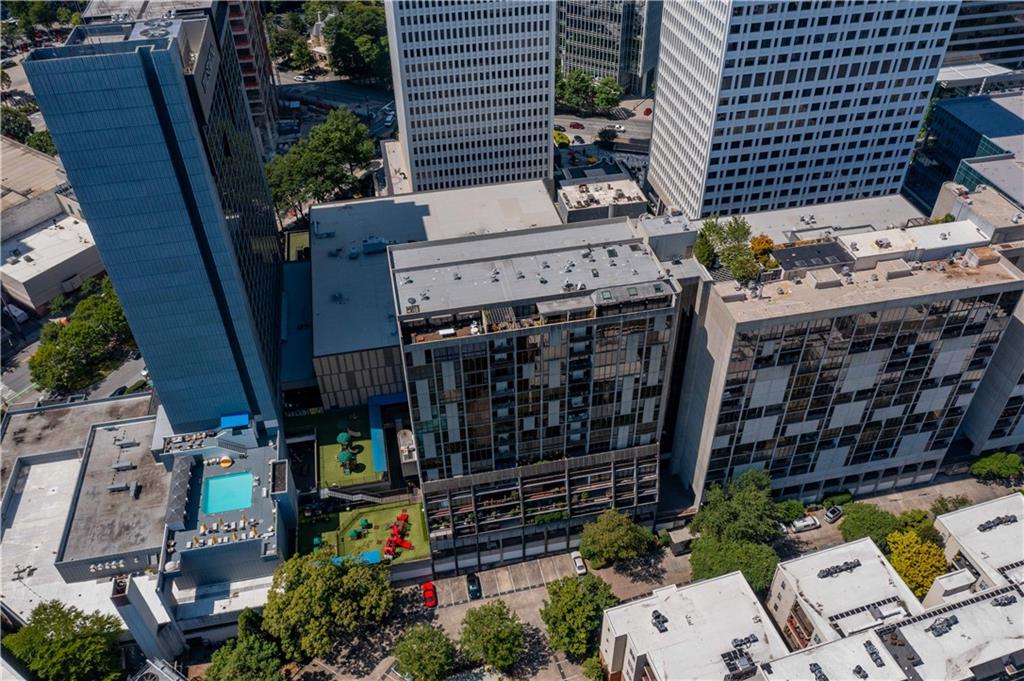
[989, 32]
[772, 105]
[534, 404]
[617, 38]
[257, 70]
[159, 148]
[474, 90]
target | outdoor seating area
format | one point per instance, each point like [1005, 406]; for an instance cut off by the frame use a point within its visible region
[389, 533]
[345, 448]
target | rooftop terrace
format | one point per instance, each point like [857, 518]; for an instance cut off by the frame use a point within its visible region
[600, 193]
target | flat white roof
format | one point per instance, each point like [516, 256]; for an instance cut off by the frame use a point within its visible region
[994, 549]
[703, 620]
[915, 242]
[837, 660]
[600, 193]
[47, 245]
[831, 600]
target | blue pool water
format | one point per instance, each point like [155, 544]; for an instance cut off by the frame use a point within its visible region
[231, 492]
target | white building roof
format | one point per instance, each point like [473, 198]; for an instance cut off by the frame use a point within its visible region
[44, 247]
[703, 620]
[918, 243]
[27, 173]
[837, 660]
[600, 193]
[992, 550]
[839, 602]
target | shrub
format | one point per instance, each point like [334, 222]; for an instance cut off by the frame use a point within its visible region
[614, 537]
[703, 251]
[715, 557]
[840, 499]
[948, 504]
[592, 668]
[867, 520]
[998, 466]
[790, 510]
[664, 538]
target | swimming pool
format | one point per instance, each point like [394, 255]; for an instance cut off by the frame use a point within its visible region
[231, 492]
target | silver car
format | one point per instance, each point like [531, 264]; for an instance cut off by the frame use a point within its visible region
[578, 564]
[808, 522]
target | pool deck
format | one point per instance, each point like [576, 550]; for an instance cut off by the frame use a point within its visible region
[334, 528]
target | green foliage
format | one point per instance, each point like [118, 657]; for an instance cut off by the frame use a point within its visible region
[607, 136]
[253, 658]
[33, 13]
[948, 217]
[425, 653]
[576, 89]
[59, 304]
[919, 522]
[295, 22]
[314, 604]
[282, 41]
[703, 251]
[608, 93]
[744, 512]
[492, 635]
[614, 537]
[15, 124]
[357, 41]
[41, 141]
[840, 499]
[731, 242]
[867, 520]
[573, 611]
[5, 79]
[713, 557]
[917, 562]
[998, 466]
[790, 510]
[63, 643]
[664, 538]
[301, 56]
[945, 504]
[561, 139]
[593, 669]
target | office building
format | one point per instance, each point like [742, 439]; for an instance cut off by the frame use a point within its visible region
[711, 629]
[985, 540]
[773, 105]
[151, 121]
[849, 373]
[474, 90]
[837, 592]
[989, 32]
[617, 38]
[537, 365]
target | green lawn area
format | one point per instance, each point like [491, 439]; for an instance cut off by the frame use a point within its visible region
[333, 531]
[328, 425]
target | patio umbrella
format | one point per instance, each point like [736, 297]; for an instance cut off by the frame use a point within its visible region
[344, 439]
[345, 457]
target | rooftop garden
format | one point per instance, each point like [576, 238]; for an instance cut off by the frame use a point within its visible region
[730, 245]
[364, 532]
[344, 447]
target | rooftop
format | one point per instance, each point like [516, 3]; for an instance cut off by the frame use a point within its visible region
[27, 173]
[985, 206]
[868, 289]
[820, 254]
[600, 193]
[991, 549]
[45, 246]
[394, 160]
[353, 308]
[1003, 172]
[133, 10]
[837, 659]
[998, 117]
[856, 576]
[918, 243]
[951, 76]
[698, 636]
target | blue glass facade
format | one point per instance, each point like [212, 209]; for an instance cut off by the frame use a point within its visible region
[132, 122]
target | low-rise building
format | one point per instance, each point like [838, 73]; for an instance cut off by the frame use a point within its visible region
[837, 592]
[712, 629]
[858, 656]
[987, 540]
[594, 200]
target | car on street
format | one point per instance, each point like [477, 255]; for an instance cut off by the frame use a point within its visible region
[833, 514]
[429, 595]
[578, 564]
[576, 125]
[301, 78]
[578, 140]
[560, 128]
[808, 522]
[473, 585]
[144, 372]
[618, 128]
[648, 111]
[119, 391]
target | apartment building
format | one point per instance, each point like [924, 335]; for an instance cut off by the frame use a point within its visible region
[617, 38]
[985, 540]
[536, 364]
[474, 90]
[772, 105]
[154, 133]
[988, 32]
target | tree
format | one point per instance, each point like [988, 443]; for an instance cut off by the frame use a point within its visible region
[790, 510]
[5, 79]
[614, 537]
[713, 557]
[920, 523]
[740, 262]
[608, 93]
[249, 657]
[917, 562]
[15, 124]
[593, 669]
[295, 22]
[743, 512]
[998, 466]
[703, 251]
[762, 246]
[573, 611]
[63, 643]
[301, 56]
[576, 90]
[425, 653]
[342, 33]
[63, 15]
[313, 603]
[492, 635]
[731, 242]
[373, 54]
[867, 520]
[606, 137]
[41, 141]
[944, 504]
[282, 41]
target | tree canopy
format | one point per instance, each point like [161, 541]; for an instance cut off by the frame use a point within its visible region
[357, 41]
[608, 93]
[301, 56]
[742, 512]
[314, 604]
[492, 635]
[730, 242]
[867, 520]
[425, 653]
[575, 89]
[614, 537]
[42, 141]
[917, 562]
[998, 466]
[944, 504]
[15, 124]
[247, 657]
[919, 522]
[63, 643]
[790, 510]
[713, 557]
[573, 611]
[5, 79]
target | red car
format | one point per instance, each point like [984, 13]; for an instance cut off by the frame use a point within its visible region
[429, 595]
[576, 125]
[648, 111]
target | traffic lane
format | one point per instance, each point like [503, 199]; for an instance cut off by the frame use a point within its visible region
[592, 126]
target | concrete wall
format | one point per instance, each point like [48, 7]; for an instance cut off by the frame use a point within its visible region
[28, 214]
[63, 277]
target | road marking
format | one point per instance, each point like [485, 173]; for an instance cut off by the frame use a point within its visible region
[540, 564]
[511, 577]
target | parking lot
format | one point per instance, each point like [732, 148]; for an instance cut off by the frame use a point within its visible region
[505, 580]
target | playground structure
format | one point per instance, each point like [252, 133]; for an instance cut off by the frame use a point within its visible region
[397, 537]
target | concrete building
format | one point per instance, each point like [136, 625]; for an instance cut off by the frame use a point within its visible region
[985, 540]
[617, 38]
[987, 31]
[151, 120]
[712, 629]
[838, 592]
[474, 90]
[845, 376]
[537, 366]
[859, 656]
[967, 80]
[356, 350]
[773, 105]
[594, 200]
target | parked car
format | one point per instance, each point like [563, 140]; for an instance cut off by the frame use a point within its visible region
[144, 372]
[833, 514]
[560, 128]
[680, 548]
[578, 140]
[576, 125]
[429, 595]
[618, 128]
[578, 564]
[648, 111]
[301, 78]
[808, 522]
[473, 584]
[119, 391]
[134, 354]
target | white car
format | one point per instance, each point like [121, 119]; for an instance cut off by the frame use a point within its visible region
[808, 522]
[301, 78]
[145, 372]
[578, 564]
[618, 128]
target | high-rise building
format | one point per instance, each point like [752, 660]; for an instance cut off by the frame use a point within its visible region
[990, 32]
[768, 105]
[474, 90]
[152, 126]
[616, 38]
[536, 364]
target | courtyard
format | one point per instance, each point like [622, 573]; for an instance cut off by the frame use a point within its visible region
[345, 533]
[366, 465]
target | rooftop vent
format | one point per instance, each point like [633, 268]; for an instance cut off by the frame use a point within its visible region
[739, 664]
[819, 673]
[996, 522]
[942, 625]
[1004, 600]
[873, 653]
[659, 621]
[859, 672]
[154, 32]
[833, 570]
[745, 641]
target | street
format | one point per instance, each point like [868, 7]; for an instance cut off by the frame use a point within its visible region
[629, 115]
[334, 91]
